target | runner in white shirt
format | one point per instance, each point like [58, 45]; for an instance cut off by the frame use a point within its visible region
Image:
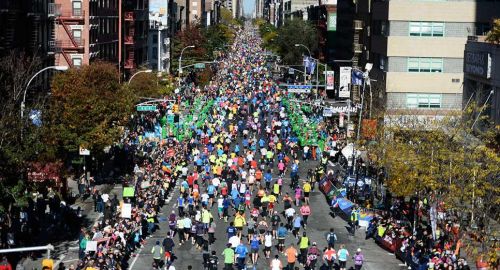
[276, 263]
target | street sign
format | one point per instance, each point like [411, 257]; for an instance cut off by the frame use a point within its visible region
[146, 108]
[84, 152]
[199, 65]
[292, 88]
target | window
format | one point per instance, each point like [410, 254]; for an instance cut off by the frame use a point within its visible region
[423, 100]
[425, 64]
[77, 34]
[77, 8]
[426, 29]
[77, 62]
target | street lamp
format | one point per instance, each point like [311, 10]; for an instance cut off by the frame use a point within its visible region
[142, 71]
[180, 58]
[59, 68]
[309, 52]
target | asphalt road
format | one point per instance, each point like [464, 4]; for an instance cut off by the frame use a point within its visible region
[319, 223]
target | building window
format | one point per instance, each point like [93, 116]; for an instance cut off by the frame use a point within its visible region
[427, 29]
[77, 35]
[77, 8]
[423, 100]
[77, 62]
[425, 64]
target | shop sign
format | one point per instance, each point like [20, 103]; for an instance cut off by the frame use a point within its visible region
[477, 64]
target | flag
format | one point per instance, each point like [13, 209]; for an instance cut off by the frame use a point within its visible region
[357, 77]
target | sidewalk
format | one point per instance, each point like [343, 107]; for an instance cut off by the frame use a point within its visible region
[67, 251]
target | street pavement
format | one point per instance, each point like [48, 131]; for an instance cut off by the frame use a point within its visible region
[67, 251]
[319, 224]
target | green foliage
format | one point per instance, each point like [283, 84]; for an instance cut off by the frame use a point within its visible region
[493, 35]
[295, 32]
[87, 108]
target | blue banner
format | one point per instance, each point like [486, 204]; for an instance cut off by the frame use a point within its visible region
[310, 64]
[357, 77]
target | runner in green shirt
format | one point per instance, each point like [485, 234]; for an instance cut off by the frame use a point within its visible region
[228, 257]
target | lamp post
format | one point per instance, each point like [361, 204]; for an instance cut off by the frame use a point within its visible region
[59, 68]
[309, 52]
[142, 71]
[180, 58]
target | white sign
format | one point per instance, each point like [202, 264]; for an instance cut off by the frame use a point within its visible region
[344, 82]
[91, 246]
[299, 89]
[127, 210]
[330, 80]
[327, 112]
[84, 152]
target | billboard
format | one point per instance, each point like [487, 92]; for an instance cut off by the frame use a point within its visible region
[158, 13]
[330, 80]
[344, 81]
[332, 22]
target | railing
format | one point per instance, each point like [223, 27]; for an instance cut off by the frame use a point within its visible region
[357, 48]
[63, 44]
[358, 24]
[129, 40]
[129, 16]
[54, 10]
[129, 64]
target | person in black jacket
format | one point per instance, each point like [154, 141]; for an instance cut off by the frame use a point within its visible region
[168, 246]
[213, 261]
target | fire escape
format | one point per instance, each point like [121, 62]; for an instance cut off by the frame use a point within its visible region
[129, 40]
[65, 19]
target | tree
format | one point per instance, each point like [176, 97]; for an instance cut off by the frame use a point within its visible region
[447, 162]
[150, 86]
[88, 108]
[20, 140]
[493, 35]
[295, 32]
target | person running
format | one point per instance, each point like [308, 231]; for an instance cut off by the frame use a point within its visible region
[331, 238]
[291, 257]
[329, 257]
[305, 211]
[268, 244]
[157, 252]
[281, 233]
[229, 257]
[241, 252]
[276, 263]
[303, 246]
[342, 255]
[358, 259]
[254, 247]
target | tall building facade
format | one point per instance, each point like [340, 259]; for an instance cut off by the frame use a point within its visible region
[85, 31]
[417, 49]
[135, 25]
[159, 37]
[25, 26]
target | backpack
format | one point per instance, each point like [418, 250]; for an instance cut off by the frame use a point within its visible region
[331, 238]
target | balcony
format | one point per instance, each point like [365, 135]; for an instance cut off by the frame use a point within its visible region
[129, 40]
[357, 48]
[358, 25]
[54, 10]
[129, 16]
[129, 64]
[59, 45]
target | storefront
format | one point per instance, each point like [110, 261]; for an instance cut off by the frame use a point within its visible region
[482, 77]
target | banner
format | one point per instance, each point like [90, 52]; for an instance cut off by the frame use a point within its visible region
[357, 77]
[299, 89]
[309, 64]
[127, 210]
[344, 81]
[330, 80]
[332, 22]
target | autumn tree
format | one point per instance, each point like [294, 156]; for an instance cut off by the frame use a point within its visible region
[88, 108]
[20, 139]
[493, 35]
[446, 161]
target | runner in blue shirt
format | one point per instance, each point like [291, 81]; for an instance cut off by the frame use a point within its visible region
[241, 252]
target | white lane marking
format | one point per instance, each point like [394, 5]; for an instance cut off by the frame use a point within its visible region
[135, 259]
[60, 259]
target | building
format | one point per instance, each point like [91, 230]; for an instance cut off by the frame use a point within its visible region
[86, 31]
[159, 35]
[135, 34]
[417, 50]
[26, 27]
[482, 77]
